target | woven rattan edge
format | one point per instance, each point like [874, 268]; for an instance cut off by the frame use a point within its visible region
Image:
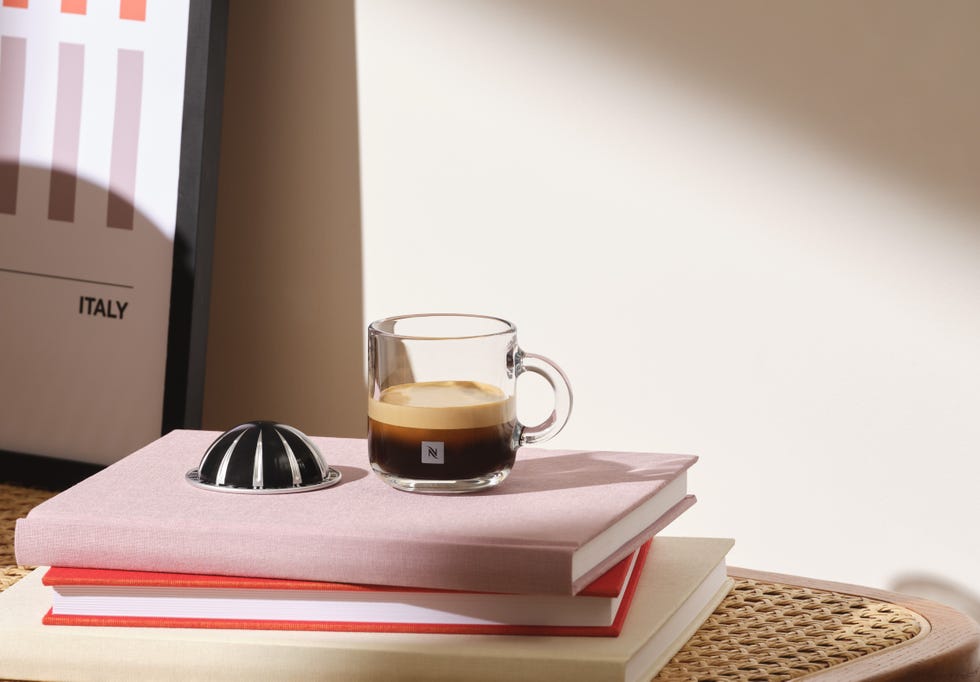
[947, 648]
[11, 574]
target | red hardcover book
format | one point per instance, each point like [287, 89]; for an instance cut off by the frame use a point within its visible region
[104, 597]
[560, 520]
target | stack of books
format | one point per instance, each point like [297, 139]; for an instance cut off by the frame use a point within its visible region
[555, 575]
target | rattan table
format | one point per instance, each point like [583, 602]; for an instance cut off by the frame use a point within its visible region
[770, 628]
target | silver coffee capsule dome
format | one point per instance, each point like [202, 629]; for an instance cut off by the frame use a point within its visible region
[263, 457]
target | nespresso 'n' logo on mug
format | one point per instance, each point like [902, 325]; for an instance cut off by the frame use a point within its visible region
[433, 452]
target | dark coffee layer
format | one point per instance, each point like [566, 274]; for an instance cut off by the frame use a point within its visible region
[464, 453]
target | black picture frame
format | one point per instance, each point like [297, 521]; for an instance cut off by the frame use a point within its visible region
[193, 245]
[190, 288]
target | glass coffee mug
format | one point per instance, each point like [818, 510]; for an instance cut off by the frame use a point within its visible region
[442, 414]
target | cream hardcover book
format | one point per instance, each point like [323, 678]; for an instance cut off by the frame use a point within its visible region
[684, 580]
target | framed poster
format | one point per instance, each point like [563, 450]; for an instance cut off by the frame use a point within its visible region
[109, 130]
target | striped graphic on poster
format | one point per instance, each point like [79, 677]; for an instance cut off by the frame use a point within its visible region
[67, 128]
[13, 60]
[91, 113]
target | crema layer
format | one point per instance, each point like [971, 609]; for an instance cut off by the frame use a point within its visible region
[443, 405]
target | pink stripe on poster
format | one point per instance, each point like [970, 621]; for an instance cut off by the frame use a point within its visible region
[67, 124]
[22, 4]
[125, 139]
[13, 60]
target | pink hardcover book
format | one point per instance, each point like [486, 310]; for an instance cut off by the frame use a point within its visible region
[562, 519]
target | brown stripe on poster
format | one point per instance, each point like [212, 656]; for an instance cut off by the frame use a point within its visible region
[13, 61]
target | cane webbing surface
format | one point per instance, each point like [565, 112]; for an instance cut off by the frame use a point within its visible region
[761, 632]
[771, 632]
[15, 502]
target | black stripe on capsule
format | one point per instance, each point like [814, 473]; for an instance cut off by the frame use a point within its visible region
[306, 459]
[275, 467]
[238, 473]
[208, 471]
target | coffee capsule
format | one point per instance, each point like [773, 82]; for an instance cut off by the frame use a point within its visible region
[263, 457]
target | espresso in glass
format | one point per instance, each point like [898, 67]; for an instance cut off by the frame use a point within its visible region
[442, 414]
[442, 431]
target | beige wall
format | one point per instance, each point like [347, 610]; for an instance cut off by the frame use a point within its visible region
[286, 312]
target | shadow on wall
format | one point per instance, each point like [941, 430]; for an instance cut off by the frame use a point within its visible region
[888, 86]
[286, 330]
[940, 590]
[880, 82]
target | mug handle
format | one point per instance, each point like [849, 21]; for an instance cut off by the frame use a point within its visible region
[553, 374]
